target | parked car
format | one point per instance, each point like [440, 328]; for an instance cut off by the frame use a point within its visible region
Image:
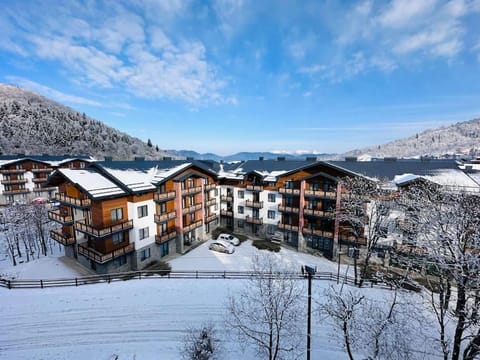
[221, 246]
[229, 238]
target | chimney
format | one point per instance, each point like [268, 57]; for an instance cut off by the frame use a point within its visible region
[351, 158]
[281, 158]
[167, 158]
[108, 158]
[261, 158]
[139, 158]
[311, 158]
[190, 158]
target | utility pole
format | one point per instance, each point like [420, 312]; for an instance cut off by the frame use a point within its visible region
[310, 270]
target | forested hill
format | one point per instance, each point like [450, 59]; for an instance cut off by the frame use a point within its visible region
[32, 124]
[460, 138]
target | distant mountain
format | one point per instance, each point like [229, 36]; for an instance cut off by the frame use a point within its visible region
[32, 124]
[460, 139]
[242, 156]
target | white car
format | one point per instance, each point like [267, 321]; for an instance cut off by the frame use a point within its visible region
[229, 238]
[221, 246]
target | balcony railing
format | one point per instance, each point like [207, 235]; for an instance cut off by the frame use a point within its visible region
[226, 212]
[254, 187]
[321, 233]
[64, 219]
[209, 187]
[226, 198]
[161, 218]
[254, 204]
[164, 196]
[210, 218]
[44, 188]
[191, 209]
[104, 231]
[289, 191]
[288, 209]
[63, 198]
[211, 202]
[12, 171]
[39, 179]
[287, 227]
[45, 170]
[15, 191]
[165, 236]
[62, 238]
[192, 190]
[319, 213]
[16, 181]
[321, 193]
[254, 220]
[192, 226]
[103, 258]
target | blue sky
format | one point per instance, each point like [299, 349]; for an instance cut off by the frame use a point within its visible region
[240, 75]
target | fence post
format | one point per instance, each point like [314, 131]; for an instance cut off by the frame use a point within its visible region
[108, 278]
[76, 282]
[196, 274]
[41, 284]
[139, 275]
[9, 284]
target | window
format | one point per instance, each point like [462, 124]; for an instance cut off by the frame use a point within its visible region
[19, 166]
[164, 249]
[142, 211]
[216, 192]
[116, 214]
[163, 208]
[82, 165]
[117, 238]
[289, 184]
[240, 209]
[34, 166]
[241, 194]
[271, 197]
[143, 233]
[240, 224]
[271, 214]
[144, 254]
[122, 260]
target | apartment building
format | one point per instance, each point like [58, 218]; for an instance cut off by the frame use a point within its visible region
[23, 178]
[119, 216]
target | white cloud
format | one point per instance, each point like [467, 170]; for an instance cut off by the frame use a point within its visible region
[51, 93]
[402, 12]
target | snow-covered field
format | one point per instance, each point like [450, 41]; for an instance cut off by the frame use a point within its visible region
[138, 319]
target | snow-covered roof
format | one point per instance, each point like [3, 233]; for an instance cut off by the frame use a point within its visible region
[134, 180]
[455, 179]
[162, 174]
[96, 185]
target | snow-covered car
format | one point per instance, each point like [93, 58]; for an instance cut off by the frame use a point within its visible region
[229, 238]
[221, 246]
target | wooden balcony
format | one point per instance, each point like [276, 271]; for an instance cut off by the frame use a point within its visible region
[61, 237]
[45, 170]
[321, 194]
[226, 198]
[319, 213]
[162, 218]
[321, 233]
[191, 209]
[209, 187]
[164, 196]
[192, 190]
[289, 191]
[100, 232]
[254, 204]
[68, 200]
[39, 179]
[254, 187]
[16, 191]
[63, 219]
[100, 258]
[253, 220]
[192, 226]
[287, 227]
[16, 181]
[44, 188]
[166, 236]
[288, 209]
[210, 202]
[226, 213]
[12, 171]
[210, 218]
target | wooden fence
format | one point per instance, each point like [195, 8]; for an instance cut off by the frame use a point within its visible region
[165, 274]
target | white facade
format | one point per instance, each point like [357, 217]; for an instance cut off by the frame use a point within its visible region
[140, 223]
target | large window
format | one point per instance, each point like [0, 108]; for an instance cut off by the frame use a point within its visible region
[117, 238]
[142, 211]
[271, 197]
[241, 194]
[164, 249]
[121, 260]
[143, 233]
[240, 209]
[116, 214]
[271, 214]
[144, 254]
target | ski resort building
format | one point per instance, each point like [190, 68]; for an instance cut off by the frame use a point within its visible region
[123, 215]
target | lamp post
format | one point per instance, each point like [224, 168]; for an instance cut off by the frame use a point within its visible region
[310, 270]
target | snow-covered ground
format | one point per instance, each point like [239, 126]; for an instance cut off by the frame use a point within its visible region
[140, 319]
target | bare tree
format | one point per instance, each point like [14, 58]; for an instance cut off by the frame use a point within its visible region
[267, 312]
[365, 216]
[201, 343]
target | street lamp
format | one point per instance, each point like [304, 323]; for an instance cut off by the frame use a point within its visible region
[310, 271]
